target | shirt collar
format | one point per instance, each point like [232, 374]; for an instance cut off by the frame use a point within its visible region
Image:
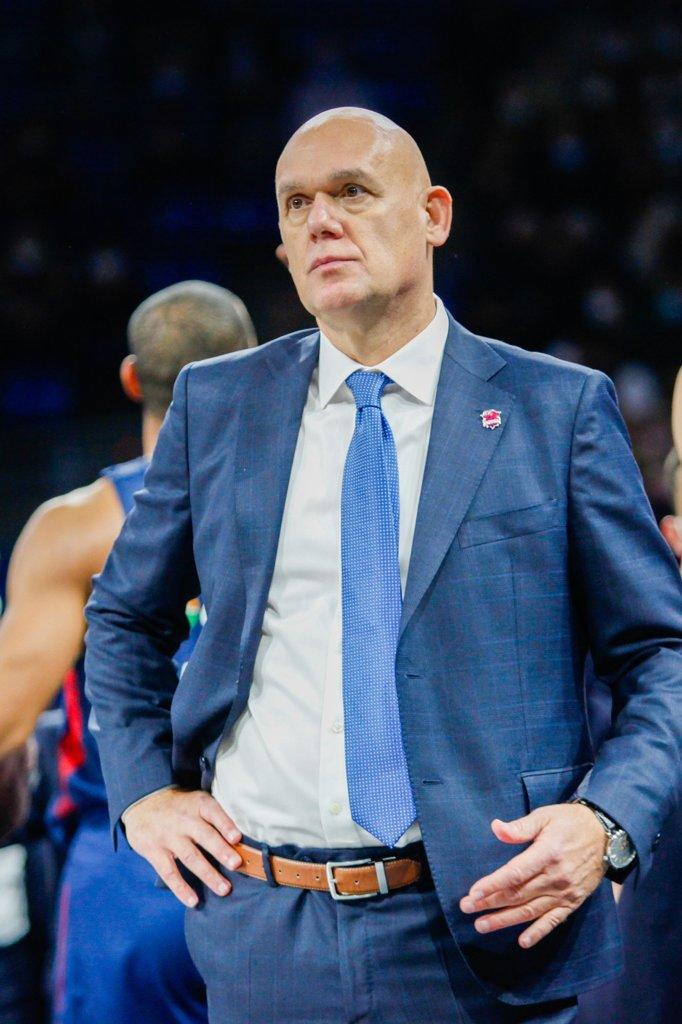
[415, 367]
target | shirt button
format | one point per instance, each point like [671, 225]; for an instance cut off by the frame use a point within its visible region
[335, 807]
[337, 727]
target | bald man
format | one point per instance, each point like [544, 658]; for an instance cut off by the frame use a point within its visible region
[401, 542]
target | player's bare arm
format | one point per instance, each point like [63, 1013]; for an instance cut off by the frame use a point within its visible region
[65, 542]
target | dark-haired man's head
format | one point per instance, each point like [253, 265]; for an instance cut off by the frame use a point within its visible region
[188, 321]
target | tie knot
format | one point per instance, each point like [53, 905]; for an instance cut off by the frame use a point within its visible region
[367, 387]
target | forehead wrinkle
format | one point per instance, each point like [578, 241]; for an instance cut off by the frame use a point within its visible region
[388, 146]
[342, 174]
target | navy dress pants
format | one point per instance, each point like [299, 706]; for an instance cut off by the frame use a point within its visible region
[121, 955]
[280, 955]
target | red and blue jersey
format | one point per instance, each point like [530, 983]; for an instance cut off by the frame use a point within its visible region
[80, 782]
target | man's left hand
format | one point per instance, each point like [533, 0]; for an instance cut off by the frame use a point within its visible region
[546, 882]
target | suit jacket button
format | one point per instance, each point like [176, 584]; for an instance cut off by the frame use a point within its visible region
[203, 763]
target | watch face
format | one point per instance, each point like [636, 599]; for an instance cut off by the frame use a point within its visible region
[620, 850]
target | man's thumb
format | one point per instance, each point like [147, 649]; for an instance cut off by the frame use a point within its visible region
[521, 830]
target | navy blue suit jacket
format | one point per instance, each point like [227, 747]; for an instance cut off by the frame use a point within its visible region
[534, 543]
[650, 917]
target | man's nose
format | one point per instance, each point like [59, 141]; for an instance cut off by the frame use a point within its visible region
[322, 218]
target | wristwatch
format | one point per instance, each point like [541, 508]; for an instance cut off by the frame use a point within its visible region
[620, 853]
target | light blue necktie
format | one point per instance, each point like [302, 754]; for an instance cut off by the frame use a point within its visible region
[378, 784]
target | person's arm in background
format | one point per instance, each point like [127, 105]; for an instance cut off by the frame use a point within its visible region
[41, 632]
[136, 619]
[671, 528]
[14, 790]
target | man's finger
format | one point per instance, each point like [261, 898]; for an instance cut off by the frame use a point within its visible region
[194, 861]
[543, 926]
[514, 915]
[206, 836]
[211, 811]
[540, 885]
[167, 870]
[512, 876]
[520, 830]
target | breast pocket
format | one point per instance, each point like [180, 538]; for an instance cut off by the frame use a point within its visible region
[553, 785]
[513, 523]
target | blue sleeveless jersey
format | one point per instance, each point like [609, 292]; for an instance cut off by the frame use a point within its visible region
[81, 786]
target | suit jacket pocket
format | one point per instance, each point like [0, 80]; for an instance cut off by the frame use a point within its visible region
[553, 785]
[513, 523]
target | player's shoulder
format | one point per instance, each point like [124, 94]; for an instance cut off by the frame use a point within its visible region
[72, 533]
[75, 508]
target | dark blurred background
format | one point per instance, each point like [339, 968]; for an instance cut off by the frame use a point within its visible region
[138, 148]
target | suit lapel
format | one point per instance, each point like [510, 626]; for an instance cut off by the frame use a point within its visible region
[460, 449]
[270, 421]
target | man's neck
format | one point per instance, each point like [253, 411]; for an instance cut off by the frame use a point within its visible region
[151, 425]
[374, 335]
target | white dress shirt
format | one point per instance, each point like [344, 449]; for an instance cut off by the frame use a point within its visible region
[281, 772]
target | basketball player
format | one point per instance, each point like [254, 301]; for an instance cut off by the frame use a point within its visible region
[121, 953]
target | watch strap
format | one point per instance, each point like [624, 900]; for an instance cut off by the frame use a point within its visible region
[613, 831]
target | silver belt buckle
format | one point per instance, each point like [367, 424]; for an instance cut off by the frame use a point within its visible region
[381, 878]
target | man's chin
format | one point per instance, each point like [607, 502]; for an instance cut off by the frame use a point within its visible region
[338, 298]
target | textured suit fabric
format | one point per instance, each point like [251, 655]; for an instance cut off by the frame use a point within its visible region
[297, 674]
[298, 957]
[649, 990]
[534, 543]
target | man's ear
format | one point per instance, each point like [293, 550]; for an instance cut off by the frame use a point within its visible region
[438, 206]
[130, 381]
[281, 254]
[671, 528]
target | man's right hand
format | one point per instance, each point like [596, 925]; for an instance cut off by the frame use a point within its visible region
[176, 824]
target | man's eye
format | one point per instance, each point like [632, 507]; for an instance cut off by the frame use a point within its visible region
[353, 191]
[296, 203]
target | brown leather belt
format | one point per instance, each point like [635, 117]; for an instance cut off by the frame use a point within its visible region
[343, 880]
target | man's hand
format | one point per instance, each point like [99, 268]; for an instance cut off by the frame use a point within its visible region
[177, 824]
[546, 882]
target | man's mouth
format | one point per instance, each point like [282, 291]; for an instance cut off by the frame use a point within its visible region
[323, 261]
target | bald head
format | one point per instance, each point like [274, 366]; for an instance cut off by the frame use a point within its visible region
[385, 140]
[359, 216]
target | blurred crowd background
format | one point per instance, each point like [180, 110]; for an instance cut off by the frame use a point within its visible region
[138, 149]
[138, 146]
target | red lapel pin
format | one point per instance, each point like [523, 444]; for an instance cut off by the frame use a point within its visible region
[491, 418]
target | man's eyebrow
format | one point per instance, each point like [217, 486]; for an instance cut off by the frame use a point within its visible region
[343, 174]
